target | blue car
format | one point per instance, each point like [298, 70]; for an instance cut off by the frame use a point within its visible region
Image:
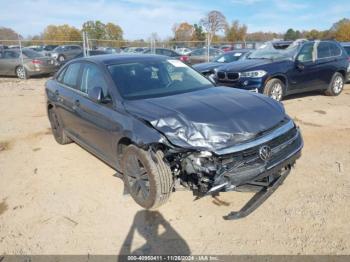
[346, 46]
[302, 67]
[208, 68]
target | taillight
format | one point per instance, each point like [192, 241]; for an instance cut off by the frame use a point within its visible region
[184, 58]
[37, 62]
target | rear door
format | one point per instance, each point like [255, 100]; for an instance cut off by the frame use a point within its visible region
[67, 96]
[96, 119]
[304, 74]
[327, 59]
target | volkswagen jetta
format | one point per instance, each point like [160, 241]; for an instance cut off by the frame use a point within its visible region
[164, 126]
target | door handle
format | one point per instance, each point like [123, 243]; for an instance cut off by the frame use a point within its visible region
[77, 102]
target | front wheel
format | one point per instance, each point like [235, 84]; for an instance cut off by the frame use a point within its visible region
[147, 178]
[336, 86]
[274, 88]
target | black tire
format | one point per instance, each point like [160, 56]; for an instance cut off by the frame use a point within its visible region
[147, 178]
[61, 58]
[21, 72]
[334, 89]
[271, 87]
[57, 129]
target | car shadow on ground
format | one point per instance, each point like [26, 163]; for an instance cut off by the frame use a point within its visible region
[302, 95]
[160, 237]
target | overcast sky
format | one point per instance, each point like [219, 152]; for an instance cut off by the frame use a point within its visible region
[139, 18]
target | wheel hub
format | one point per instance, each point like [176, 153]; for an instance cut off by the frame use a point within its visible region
[137, 177]
[276, 92]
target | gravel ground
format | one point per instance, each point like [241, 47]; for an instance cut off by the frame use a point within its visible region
[62, 200]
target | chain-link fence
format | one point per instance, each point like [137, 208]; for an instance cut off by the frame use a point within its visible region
[85, 45]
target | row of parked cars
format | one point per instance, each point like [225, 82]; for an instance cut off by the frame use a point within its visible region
[276, 69]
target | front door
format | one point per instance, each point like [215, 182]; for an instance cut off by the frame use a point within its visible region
[97, 126]
[304, 75]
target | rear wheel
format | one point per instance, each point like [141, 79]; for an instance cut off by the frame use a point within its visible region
[274, 88]
[57, 129]
[148, 178]
[336, 86]
[21, 72]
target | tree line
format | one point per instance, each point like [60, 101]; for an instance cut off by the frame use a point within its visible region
[213, 27]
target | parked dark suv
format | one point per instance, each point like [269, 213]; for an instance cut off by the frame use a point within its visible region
[165, 126]
[308, 66]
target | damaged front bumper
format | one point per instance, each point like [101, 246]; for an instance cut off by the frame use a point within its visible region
[260, 165]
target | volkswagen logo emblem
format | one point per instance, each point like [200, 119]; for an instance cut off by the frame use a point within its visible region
[265, 153]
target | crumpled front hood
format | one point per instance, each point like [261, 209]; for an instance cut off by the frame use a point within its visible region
[209, 119]
[203, 67]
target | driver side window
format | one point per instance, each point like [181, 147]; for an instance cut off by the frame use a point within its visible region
[306, 53]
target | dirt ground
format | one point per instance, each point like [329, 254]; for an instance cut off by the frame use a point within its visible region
[62, 200]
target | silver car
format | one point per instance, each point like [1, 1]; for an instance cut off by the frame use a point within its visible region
[64, 52]
[34, 63]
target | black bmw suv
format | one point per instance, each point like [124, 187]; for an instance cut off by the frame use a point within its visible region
[165, 126]
[302, 67]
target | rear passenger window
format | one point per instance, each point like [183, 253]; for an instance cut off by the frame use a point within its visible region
[70, 77]
[93, 77]
[335, 50]
[323, 50]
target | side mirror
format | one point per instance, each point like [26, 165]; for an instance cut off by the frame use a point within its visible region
[96, 94]
[299, 65]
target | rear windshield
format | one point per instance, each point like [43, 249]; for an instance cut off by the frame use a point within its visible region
[148, 79]
[31, 53]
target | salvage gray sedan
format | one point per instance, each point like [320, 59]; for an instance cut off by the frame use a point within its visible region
[165, 126]
[34, 63]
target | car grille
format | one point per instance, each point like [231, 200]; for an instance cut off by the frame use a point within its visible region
[247, 163]
[230, 76]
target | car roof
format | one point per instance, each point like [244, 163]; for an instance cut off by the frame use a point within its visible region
[110, 59]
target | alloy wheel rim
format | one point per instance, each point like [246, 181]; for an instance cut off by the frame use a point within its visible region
[21, 73]
[338, 85]
[276, 92]
[137, 177]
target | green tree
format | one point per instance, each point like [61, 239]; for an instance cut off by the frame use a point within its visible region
[95, 29]
[236, 32]
[198, 34]
[290, 34]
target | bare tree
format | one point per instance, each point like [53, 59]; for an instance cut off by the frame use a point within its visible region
[213, 22]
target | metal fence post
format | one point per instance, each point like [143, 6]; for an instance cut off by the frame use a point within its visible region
[21, 56]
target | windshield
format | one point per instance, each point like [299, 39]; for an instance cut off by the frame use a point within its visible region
[228, 57]
[148, 79]
[267, 51]
[31, 53]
